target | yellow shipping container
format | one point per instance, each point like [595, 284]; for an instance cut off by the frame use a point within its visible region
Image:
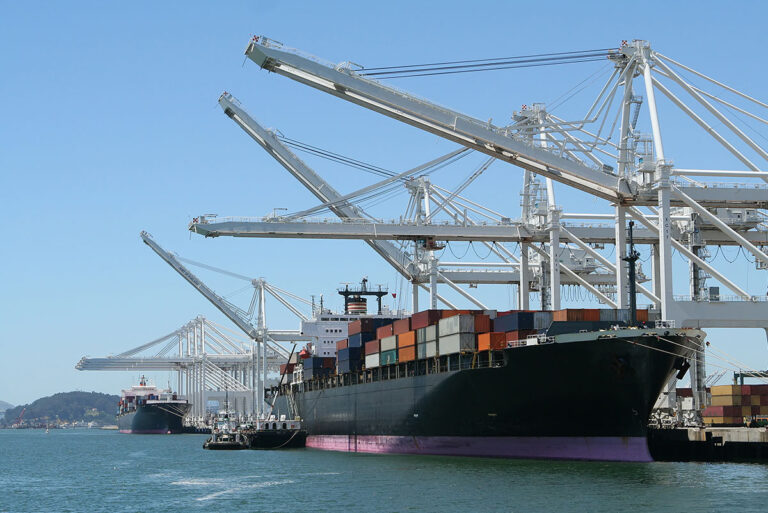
[764, 410]
[726, 390]
[746, 411]
[726, 400]
[720, 421]
[755, 400]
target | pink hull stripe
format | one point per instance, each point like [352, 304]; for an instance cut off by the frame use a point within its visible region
[604, 448]
[145, 432]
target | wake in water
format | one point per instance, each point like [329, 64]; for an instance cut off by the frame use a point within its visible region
[265, 484]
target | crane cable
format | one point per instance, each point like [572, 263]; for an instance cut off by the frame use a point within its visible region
[473, 65]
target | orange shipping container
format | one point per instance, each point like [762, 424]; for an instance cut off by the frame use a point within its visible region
[519, 334]
[591, 314]
[494, 340]
[642, 315]
[570, 314]
[406, 339]
[406, 354]
[450, 313]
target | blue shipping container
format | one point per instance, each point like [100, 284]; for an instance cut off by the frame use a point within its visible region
[350, 365]
[514, 321]
[350, 353]
[360, 339]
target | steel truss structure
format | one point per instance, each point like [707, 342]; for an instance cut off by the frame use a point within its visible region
[603, 154]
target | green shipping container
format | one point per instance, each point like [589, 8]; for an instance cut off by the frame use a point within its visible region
[388, 357]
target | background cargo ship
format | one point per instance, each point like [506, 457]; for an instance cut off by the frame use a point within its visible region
[571, 384]
[146, 409]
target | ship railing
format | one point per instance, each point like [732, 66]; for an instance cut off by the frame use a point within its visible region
[670, 323]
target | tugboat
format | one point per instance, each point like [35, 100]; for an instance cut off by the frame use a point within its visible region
[274, 433]
[225, 435]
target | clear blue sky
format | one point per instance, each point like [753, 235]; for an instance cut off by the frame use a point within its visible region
[109, 125]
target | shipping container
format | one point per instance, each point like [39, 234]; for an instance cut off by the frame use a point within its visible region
[458, 343]
[406, 354]
[359, 339]
[286, 368]
[367, 324]
[759, 389]
[754, 400]
[421, 351]
[450, 313]
[342, 344]
[569, 314]
[721, 411]
[425, 318]
[401, 326]
[518, 335]
[388, 357]
[542, 320]
[477, 323]
[384, 331]
[726, 390]
[763, 400]
[406, 339]
[389, 343]
[372, 360]
[350, 353]
[317, 372]
[430, 333]
[591, 314]
[642, 315]
[350, 366]
[724, 421]
[684, 392]
[763, 410]
[746, 411]
[514, 321]
[330, 363]
[726, 400]
[431, 349]
[372, 347]
[313, 362]
[491, 341]
[421, 335]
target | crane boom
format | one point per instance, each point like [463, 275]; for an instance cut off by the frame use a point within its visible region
[219, 302]
[446, 123]
[312, 181]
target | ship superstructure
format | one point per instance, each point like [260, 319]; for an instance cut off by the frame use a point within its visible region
[147, 409]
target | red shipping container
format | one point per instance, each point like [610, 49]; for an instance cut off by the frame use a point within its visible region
[482, 323]
[755, 410]
[591, 314]
[493, 340]
[764, 400]
[354, 327]
[406, 354]
[450, 313]
[425, 318]
[372, 347]
[518, 335]
[384, 331]
[286, 368]
[687, 392]
[401, 326]
[758, 389]
[642, 315]
[746, 390]
[329, 363]
[722, 411]
[406, 339]
[342, 344]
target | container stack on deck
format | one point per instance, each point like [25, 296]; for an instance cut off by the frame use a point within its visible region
[376, 342]
[732, 404]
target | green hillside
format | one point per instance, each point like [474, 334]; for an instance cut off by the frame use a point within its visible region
[68, 407]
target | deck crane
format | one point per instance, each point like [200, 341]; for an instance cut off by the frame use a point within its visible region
[259, 334]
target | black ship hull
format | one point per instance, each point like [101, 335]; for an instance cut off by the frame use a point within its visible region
[575, 400]
[153, 419]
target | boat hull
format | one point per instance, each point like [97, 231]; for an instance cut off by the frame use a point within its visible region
[578, 400]
[153, 419]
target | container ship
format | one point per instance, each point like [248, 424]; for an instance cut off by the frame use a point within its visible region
[569, 384]
[146, 409]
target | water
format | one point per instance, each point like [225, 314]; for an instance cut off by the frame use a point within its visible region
[92, 470]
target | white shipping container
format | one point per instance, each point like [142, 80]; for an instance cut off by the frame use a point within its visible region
[421, 351]
[431, 349]
[372, 360]
[456, 324]
[431, 333]
[389, 343]
[421, 335]
[457, 343]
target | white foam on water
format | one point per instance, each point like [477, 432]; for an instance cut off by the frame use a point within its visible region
[265, 484]
[199, 482]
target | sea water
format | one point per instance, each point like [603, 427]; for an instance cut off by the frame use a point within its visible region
[94, 470]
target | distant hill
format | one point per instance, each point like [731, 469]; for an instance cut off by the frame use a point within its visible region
[5, 406]
[68, 407]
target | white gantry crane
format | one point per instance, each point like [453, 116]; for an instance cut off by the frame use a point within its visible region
[266, 342]
[603, 153]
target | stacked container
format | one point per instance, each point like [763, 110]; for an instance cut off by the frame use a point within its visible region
[388, 350]
[350, 359]
[406, 346]
[732, 403]
[316, 366]
[458, 333]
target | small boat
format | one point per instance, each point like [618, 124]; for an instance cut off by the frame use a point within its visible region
[225, 434]
[274, 433]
